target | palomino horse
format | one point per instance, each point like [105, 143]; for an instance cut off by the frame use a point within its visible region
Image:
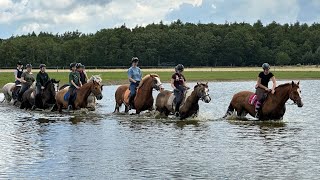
[189, 105]
[92, 100]
[47, 96]
[274, 105]
[144, 99]
[83, 93]
[8, 88]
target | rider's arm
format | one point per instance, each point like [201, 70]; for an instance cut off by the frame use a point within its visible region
[85, 74]
[22, 78]
[260, 85]
[130, 76]
[172, 83]
[274, 83]
[74, 84]
[38, 80]
[16, 76]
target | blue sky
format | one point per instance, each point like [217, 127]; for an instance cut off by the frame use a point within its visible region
[57, 16]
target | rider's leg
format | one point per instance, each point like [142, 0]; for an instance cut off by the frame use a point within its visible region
[24, 88]
[133, 90]
[38, 102]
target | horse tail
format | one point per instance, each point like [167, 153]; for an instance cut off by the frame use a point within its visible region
[229, 111]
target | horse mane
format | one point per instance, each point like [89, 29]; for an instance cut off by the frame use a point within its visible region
[285, 84]
[145, 78]
[96, 78]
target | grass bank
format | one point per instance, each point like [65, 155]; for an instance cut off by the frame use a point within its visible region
[112, 78]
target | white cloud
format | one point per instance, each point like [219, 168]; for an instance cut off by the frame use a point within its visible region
[36, 27]
[5, 4]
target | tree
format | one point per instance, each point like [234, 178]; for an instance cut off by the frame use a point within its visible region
[282, 58]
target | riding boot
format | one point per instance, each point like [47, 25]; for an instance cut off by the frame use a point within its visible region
[177, 109]
[38, 102]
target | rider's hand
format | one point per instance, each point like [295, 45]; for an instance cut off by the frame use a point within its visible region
[42, 87]
[78, 87]
[272, 91]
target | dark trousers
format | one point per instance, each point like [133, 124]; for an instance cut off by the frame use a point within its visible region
[261, 94]
[133, 91]
[178, 93]
[38, 99]
[72, 92]
[24, 88]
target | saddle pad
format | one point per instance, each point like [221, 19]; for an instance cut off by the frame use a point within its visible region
[67, 95]
[253, 99]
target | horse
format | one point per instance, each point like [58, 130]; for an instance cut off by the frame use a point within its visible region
[92, 100]
[143, 99]
[189, 106]
[47, 96]
[8, 88]
[83, 93]
[273, 107]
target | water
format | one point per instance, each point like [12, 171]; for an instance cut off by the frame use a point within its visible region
[100, 145]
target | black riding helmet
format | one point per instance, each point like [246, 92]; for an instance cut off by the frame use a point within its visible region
[19, 63]
[42, 65]
[265, 66]
[179, 67]
[72, 65]
[134, 59]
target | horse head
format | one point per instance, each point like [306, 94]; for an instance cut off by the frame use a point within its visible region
[295, 94]
[96, 89]
[56, 84]
[97, 79]
[202, 91]
[156, 84]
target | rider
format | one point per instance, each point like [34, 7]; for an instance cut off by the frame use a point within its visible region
[27, 79]
[83, 75]
[42, 79]
[178, 83]
[17, 75]
[75, 83]
[134, 76]
[262, 86]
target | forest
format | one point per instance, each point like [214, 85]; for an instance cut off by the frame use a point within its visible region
[159, 44]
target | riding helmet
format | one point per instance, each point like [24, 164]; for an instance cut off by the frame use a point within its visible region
[79, 65]
[135, 59]
[179, 67]
[72, 65]
[28, 66]
[19, 63]
[42, 65]
[265, 66]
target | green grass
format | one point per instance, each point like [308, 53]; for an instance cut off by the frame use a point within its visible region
[121, 77]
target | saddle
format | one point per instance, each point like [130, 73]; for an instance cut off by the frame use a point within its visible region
[126, 96]
[172, 100]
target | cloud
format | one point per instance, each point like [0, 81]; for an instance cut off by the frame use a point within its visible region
[58, 16]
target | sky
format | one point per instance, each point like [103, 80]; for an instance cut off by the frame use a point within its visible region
[19, 17]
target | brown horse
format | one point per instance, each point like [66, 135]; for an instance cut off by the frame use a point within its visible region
[82, 95]
[47, 96]
[274, 105]
[144, 99]
[189, 106]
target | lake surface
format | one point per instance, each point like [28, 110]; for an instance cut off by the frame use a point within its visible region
[101, 145]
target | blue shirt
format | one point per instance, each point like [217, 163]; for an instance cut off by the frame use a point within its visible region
[135, 73]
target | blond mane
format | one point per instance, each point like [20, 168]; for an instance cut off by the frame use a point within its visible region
[145, 78]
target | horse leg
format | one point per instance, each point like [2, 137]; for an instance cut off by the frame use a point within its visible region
[117, 108]
[126, 110]
[59, 105]
[229, 111]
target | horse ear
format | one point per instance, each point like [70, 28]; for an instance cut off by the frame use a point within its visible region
[298, 83]
[292, 83]
[206, 83]
[198, 83]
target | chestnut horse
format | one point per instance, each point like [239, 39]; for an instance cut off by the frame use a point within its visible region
[144, 99]
[82, 95]
[189, 106]
[273, 106]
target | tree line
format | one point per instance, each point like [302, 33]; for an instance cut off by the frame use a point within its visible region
[229, 44]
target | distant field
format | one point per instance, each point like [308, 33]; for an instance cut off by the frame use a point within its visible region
[112, 77]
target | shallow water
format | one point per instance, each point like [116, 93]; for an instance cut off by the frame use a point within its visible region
[101, 145]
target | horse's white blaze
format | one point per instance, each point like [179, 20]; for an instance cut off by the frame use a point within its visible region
[298, 90]
[158, 81]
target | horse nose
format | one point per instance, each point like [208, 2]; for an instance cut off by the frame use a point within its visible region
[300, 104]
[99, 97]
